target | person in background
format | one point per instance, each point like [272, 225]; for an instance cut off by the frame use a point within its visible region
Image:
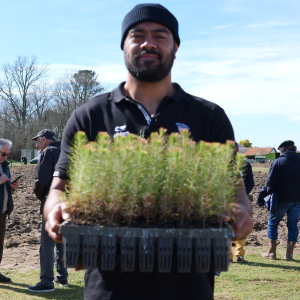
[284, 177]
[249, 184]
[50, 151]
[6, 191]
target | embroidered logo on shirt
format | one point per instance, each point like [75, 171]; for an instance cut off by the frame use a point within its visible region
[182, 126]
[120, 131]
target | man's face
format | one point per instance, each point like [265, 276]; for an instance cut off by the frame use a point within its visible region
[41, 143]
[149, 51]
[4, 150]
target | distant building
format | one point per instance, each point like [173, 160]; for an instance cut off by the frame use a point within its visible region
[257, 154]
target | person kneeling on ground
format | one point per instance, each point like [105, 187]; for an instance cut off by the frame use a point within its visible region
[284, 176]
[6, 191]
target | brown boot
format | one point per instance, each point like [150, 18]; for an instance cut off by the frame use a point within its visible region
[289, 250]
[271, 254]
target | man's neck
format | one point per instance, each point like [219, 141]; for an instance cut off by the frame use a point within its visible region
[149, 94]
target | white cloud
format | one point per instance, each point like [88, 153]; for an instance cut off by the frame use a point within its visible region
[110, 74]
[223, 26]
[245, 80]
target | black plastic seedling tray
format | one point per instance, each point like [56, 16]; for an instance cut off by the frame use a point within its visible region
[100, 244]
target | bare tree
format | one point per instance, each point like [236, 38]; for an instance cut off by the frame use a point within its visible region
[20, 81]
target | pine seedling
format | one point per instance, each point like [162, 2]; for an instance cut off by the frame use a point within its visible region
[155, 170]
[137, 181]
[120, 167]
[80, 172]
[101, 165]
[171, 179]
[185, 204]
[174, 178]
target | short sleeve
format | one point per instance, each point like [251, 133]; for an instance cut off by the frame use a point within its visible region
[221, 128]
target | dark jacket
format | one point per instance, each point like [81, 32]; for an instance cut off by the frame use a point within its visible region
[44, 171]
[248, 178]
[10, 204]
[284, 175]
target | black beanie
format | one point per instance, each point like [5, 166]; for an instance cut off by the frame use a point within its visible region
[153, 13]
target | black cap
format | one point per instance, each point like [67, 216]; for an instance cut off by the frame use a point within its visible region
[153, 13]
[286, 144]
[48, 134]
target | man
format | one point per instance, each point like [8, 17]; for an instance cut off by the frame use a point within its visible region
[249, 184]
[50, 150]
[284, 177]
[6, 191]
[147, 101]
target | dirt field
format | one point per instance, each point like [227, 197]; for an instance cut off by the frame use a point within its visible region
[23, 227]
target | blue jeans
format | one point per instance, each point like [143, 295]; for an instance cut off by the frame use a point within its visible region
[50, 252]
[292, 209]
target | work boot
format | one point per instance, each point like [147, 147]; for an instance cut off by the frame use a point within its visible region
[271, 254]
[289, 250]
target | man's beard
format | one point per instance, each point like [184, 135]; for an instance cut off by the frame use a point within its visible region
[148, 71]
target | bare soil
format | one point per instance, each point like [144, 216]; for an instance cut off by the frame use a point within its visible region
[23, 228]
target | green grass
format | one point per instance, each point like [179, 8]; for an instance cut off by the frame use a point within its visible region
[18, 289]
[258, 278]
[260, 169]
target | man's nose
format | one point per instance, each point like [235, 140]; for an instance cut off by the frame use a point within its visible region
[148, 43]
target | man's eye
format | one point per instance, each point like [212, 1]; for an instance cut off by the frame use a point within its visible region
[137, 36]
[160, 37]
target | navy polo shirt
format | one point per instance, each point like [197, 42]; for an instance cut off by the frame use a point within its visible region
[118, 114]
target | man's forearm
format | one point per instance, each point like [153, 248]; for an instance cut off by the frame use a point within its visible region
[52, 200]
[243, 200]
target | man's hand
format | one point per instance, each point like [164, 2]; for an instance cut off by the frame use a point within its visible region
[240, 221]
[14, 185]
[3, 178]
[55, 217]
[55, 210]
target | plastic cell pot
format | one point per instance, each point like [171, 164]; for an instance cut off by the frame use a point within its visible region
[90, 250]
[128, 250]
[108, 253]
[146, 250]
[184, 254]
[147, 246]
[71, 249]
[202, 254]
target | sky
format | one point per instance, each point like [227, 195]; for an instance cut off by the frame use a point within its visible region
[243, 55]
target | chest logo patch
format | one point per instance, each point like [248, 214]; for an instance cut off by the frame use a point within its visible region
[120, 131]
[182, 126]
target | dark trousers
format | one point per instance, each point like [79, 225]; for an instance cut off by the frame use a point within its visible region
[51, 252]
[2, 233]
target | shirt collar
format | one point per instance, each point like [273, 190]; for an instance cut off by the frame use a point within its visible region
[117, 95]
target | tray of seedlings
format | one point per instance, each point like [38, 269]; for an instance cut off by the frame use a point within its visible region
[143, 203]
